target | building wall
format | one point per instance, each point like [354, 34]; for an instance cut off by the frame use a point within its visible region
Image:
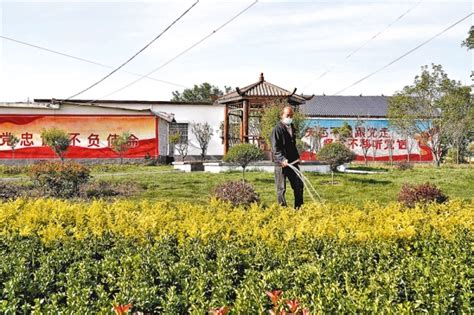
[212, 114]
[92, 129]
[374, 134]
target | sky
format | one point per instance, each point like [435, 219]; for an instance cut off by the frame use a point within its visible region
[292, 42]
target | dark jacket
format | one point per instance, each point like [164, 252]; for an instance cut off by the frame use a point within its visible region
[283, 144]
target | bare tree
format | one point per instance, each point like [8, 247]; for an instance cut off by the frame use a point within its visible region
[203, 133]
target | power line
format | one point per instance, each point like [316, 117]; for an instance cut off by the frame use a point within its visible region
[181, 53]
[405, 54]
[354, 51]
[86, 60]
[137, 53]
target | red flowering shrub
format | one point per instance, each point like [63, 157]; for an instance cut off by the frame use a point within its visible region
[237, 193]
[424, 193]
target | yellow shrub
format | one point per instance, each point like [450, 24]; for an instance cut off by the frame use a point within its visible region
[58, 220]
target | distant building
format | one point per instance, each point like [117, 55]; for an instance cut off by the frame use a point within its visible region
[92, 127]
[234, 118]
[372, 136]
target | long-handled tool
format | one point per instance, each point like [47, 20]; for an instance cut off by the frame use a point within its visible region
[309, 187]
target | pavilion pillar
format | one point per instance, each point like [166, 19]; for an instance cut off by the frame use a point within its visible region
[245, 121]
[226, 129]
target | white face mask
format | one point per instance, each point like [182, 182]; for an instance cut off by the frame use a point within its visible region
[287, 120]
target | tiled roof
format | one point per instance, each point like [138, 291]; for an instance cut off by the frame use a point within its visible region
[260, 88]
[346, 106]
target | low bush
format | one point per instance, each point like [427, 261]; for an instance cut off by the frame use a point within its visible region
[13, 169]
[52, 219]
[237, 193]
[431, 275]
[404, 165]
[57, 179]
[10, 191]
[410, 195]
[105, 189]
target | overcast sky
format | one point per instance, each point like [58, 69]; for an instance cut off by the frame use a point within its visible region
[292, 42]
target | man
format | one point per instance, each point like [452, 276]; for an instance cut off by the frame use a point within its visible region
[284, 151]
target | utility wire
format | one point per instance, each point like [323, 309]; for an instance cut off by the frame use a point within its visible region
[85, 60]
[405, 54]
[181, 53]
[137, 53]
[353, 52]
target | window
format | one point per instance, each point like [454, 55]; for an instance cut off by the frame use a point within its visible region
[182, 129]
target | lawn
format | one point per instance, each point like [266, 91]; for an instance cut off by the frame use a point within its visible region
[164, 183]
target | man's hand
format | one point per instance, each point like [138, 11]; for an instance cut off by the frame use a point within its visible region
[284, 163]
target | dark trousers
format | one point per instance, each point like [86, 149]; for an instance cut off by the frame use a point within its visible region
[281, 174]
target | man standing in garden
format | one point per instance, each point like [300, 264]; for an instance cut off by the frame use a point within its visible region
[284, 151]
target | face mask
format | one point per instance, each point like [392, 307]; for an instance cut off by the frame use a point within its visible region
[287, 121]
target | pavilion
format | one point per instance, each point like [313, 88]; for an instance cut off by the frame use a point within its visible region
[245, 105]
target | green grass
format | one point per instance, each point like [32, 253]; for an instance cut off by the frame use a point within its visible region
[162, 182]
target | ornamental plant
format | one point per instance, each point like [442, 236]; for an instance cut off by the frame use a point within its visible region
[410, 195]
[59, 179]
[335, 154]
[237, 193]
[120, 145]
[243, 154]
[57, 140]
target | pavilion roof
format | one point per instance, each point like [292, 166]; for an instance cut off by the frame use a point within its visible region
[261, 88]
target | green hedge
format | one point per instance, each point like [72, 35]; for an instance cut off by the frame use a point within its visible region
[89, 276]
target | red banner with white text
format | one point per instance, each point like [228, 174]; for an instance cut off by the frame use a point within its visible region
[90, 136]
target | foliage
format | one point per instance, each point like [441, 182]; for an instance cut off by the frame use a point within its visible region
[336, 154]
[180, 145]
[13, 169]
[64, 220]
[121, 145]
[57, 140]
[410, 195]
[272, 115]
[204, 92]
[59, 179]
[343, 133]
[243, 154]
[404, 165]
[106, 189]
[88, 276]
[458, 119]
[12, 141]
[203, 133]
[9, 191]
[429, 108]
[469, 42]
[236, 193]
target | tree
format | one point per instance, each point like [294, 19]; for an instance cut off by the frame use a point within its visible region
[13, 141]
[458, 119]
[417, 109]
[469, 42]
[181, 145]
[271, 116]
[121, 145]
[343, 133]
[336, 154]
[57, 139]
[204, 92]
[243, 154]
[203, 133]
